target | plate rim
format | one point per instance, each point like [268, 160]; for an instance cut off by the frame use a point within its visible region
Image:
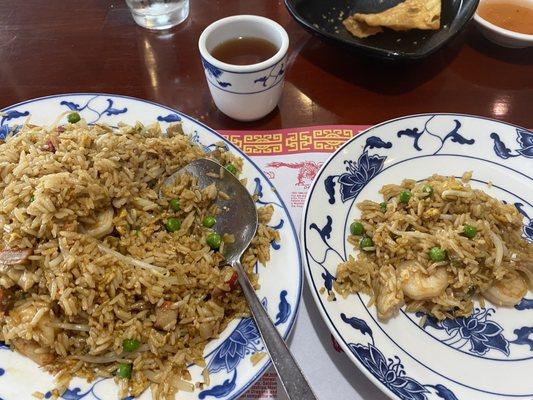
[309, 279]
[377, 51]
[241, 153]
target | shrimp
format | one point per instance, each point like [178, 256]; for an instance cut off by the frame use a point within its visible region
[104, 225]
[419, 286]
[508, 291]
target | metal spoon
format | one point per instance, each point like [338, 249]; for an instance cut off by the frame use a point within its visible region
[239, 217]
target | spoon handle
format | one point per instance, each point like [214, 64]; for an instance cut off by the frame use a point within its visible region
[290, 374]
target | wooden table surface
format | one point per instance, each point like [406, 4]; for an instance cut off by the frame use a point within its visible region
[49, 47]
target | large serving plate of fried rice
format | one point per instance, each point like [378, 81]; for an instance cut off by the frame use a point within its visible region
[113, 285]
[417, 241]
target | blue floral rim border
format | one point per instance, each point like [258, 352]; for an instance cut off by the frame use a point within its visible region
[294, 313]
[371, 361]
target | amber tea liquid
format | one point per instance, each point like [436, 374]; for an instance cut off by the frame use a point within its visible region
[244, 51]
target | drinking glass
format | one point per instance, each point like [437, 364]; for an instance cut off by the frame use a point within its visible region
[158, 14]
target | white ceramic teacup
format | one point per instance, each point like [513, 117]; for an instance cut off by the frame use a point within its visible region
[245, 92]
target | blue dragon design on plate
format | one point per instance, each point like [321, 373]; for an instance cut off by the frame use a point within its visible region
[225, 360]
[400, 355]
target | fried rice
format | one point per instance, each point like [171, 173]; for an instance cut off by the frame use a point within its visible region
[436, 246]
[87, 266]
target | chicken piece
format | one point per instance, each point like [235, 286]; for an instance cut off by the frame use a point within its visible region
[165, 316]
[33, 351]
[37, 314]
[389, 295]
[25, 279]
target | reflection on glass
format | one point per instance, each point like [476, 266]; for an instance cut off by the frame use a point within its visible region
[158, 14]
[151, 65]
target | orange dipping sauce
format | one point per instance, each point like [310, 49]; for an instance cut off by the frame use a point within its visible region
[508, 15]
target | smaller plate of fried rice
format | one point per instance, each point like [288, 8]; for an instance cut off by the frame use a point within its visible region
[417, 239]
[114, 286]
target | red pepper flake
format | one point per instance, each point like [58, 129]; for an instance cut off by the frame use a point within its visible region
[166, 305]
[233, 280]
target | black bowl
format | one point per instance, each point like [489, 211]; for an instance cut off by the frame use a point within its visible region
[324, 18]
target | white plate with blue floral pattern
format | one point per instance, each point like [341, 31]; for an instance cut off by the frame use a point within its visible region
[486, 356]
[228, 358]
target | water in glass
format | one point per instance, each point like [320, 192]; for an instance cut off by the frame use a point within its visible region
[158, 14]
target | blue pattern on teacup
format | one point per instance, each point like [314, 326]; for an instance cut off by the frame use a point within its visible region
[274, 75]
[245, 82]
[214, 73]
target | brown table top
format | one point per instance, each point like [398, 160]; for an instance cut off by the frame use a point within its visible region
[49, 47]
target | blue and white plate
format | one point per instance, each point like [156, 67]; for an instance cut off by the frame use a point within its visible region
[228, 357]
[486, 356]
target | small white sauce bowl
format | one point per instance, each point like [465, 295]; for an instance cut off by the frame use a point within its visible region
[501, 36]
[245, 92]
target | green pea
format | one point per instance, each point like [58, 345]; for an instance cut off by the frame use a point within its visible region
[73, 117]
[469, 231]
[214, 240]
[437, 254]
[209, 221]
[428, 189]
[32, 199]
[405, 196]
[232, 168]
[130, 345]
[365, 243]
[124, 370]
[383, 206]
[174, 204]
[357, 228]
[173, 224]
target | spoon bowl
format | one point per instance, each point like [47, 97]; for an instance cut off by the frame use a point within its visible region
[238, 216]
